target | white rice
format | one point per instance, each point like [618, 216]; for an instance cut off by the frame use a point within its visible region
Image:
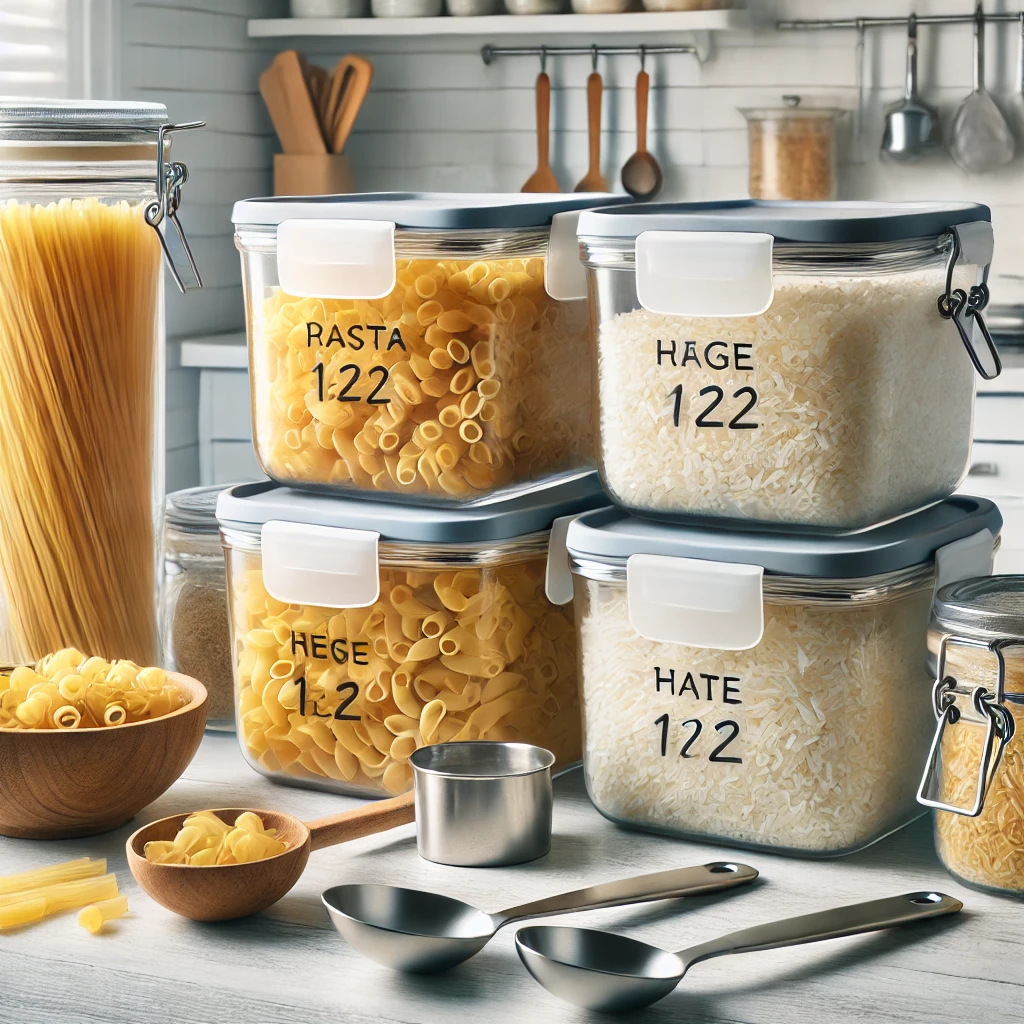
[833, 726]
[864, 405]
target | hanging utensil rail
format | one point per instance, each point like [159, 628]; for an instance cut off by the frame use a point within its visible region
[810, 24]
[490, 53]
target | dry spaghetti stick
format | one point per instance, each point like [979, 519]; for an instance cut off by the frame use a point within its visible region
[69, 871]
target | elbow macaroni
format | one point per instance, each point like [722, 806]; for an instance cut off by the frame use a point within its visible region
[67, 690]
[344, 696]
[465, 379]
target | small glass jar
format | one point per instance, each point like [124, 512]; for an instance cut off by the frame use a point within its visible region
[793, 152]
[785, 363]
[757, 688]
[86, 189]
[442, 358]
[194, 629]
[975, 773]
[363, 630]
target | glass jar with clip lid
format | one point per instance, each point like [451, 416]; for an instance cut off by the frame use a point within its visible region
[86, 190]
[974, 777]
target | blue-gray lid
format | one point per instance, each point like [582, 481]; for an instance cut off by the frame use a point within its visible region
[248, 506]
[437, 210]
[610, 535]
[838, 222]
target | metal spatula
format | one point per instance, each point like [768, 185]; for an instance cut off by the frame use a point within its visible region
[981, 139]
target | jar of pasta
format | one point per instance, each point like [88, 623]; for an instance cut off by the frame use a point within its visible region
[763, 689]
[194, 626]
[363, 630]
[975, 773]
[430, 347]
[86, 193]
[795, 364]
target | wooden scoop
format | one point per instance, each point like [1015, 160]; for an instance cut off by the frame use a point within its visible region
[593, 180]
[542, 179]
[641, 174]
[350, 82]
[227, 891]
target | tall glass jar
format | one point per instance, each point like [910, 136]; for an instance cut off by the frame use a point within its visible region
[84, 191]
[975, 774]
[194, 628]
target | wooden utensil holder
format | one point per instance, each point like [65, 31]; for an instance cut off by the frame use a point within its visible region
[313, 174]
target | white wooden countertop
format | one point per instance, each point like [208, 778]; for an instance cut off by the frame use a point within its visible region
[288, 965]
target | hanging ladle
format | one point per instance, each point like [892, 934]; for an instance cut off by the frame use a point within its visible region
[424, 933]
[611, 973]
[225, 891]
[911, 125]
[641, 174]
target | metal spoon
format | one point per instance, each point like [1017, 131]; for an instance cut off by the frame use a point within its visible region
[981, 138]
[911, 126]
[424, 933]
[607, 972]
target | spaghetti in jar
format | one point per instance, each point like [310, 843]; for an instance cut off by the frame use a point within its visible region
[85, 191]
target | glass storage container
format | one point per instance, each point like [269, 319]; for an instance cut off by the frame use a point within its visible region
[762, 689]
[427, 346]
[786, 363]
[194, 629]
[85, 191]
[975, 773]
[793, 151]
[363, 630]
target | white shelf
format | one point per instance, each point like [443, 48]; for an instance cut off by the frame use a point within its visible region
[646, 22]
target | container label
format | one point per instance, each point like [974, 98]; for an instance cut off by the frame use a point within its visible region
[333, 702]
[730, 401]
[685, 736]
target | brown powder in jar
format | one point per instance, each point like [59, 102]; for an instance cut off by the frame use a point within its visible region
[792, 158]
[202, 643]
[986, 851]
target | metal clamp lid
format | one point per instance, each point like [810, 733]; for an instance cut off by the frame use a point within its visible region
[964, 308]
[168, 180]
[948, 695]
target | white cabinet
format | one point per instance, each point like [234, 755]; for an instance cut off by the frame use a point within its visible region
[226, 452]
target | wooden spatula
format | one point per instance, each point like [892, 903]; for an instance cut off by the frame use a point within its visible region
[355, 73]
[542, 179]
[593, 180]
[318, 81]
[286, 94]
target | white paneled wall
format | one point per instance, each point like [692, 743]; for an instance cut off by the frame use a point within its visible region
[438, 118]
[197, 59]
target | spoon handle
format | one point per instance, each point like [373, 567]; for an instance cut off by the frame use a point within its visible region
[643, 87]
[979, 49]
[375, 817]
[661, 885]
[594, 121]
[829, 924]
[543, 118]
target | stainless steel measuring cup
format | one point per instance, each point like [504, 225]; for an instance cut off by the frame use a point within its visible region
[424, 932]
[611, 973]
[482, 803]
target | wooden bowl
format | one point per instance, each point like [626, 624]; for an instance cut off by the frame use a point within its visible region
[227, 891]
[60, 784]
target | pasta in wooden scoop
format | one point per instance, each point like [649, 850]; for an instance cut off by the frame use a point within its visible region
[205, 840]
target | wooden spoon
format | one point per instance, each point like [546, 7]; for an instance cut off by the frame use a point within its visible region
[542, 179]
[227, 891]
[641, 174]
[356, 74]
[285, 91]
[593, 180]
